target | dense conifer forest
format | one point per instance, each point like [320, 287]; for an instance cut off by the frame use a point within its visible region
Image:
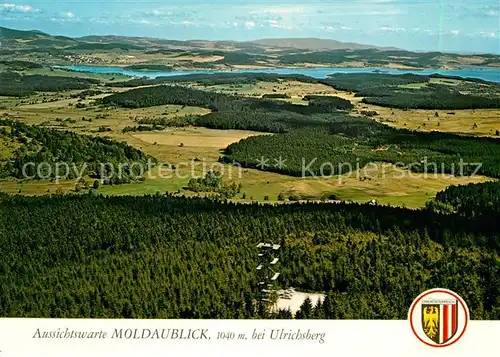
[37, 145]
[19, 65]
[213, 79]
[331, 102]
[391, 91]
[355, 82]
[173, 257]
[473, 200]
[352, 141]
[17, 85]
[431, 99]
[174, 94]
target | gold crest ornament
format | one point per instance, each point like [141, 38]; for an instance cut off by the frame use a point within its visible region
[430, 321]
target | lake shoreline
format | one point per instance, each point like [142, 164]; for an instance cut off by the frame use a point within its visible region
[320, 72]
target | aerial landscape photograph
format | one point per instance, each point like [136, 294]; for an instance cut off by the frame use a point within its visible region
[248, 159]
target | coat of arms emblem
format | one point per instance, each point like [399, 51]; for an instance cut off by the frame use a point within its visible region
[438, 317]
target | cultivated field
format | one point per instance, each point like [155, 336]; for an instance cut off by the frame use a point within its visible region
[481, 122]
[193, 137]
[294, 89]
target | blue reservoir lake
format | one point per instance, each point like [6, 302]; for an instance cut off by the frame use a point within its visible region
[489, 74]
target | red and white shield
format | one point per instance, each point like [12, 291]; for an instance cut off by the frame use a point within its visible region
[449, 319]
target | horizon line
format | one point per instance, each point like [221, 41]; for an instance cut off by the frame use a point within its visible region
[375, 47]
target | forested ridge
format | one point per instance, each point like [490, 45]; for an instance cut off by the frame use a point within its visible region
[161, 95]
[335, 140]
[473, 200]
[213, 79]
[272, 54]
[373, 57]
[39, 145]
[431, 99]
[331, 101]
[391, 91]
[174, 94]
[16, 65]
[18, 85]
[172, 257]
[356, 82]
[258, 121]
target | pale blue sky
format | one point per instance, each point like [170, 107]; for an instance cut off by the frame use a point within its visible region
[432, 25]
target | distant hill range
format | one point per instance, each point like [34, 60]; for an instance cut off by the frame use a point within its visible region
[34, 38]
[316, 44]
[11, 37]
[312, 44]
[39, 47]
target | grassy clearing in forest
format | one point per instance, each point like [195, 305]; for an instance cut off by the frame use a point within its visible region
[195, 137]
[481, 122]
